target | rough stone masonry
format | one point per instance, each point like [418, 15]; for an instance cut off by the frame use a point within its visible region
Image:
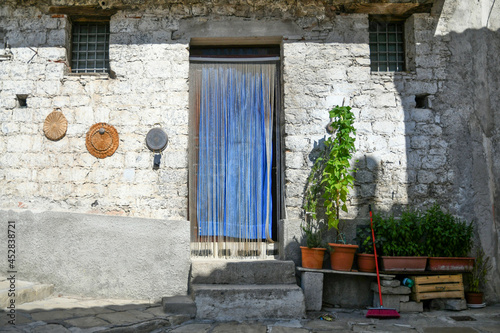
[428, 134]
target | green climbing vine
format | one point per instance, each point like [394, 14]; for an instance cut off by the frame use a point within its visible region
[330, 179]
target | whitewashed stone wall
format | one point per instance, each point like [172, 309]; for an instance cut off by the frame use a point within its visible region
[400, 152]
[150, 88]
[402, 156]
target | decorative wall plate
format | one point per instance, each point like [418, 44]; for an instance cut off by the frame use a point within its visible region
[102, 140]
[156, 139]
[55, 125]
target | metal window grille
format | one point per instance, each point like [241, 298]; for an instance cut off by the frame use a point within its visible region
[386, 47]
[90, 48]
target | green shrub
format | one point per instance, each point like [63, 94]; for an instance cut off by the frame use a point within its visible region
[364, 239]
[432, 233]
[445, 235]
[399, 237]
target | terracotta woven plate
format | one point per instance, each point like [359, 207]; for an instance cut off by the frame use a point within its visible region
[102, 140]
[55, 125]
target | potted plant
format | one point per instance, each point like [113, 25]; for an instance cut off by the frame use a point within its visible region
[448, 241]
[314, 251]
[476, 279]
[366, 258]
[330, 180]
[402, 243]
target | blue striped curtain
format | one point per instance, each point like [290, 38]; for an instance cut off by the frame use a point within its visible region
[235, 150]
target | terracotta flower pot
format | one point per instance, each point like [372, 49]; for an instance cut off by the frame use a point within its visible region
[366, 262]
[342, 256]
[474, 298]
[400, 264]
[312, 258]
[457, 264]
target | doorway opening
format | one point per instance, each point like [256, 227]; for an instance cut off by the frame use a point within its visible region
[235, 166]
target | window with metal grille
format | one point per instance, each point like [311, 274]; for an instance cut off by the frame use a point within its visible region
[387, 46]
[90, 47]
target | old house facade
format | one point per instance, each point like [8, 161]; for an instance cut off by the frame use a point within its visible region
[422, 77]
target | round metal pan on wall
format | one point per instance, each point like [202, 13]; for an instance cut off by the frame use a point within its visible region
[156, 139]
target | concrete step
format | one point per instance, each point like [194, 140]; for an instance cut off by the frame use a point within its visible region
[248, 302]
[242, 272]
[24, 291]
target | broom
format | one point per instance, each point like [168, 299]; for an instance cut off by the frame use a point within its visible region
[379, 312]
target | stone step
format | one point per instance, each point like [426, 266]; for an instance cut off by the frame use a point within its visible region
[242, 272]
[24, 291]
[248, 302]
[179, 305]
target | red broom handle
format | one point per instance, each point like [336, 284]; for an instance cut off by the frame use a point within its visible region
[375, 252]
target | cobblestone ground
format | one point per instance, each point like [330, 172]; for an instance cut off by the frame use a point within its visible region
[71, 314]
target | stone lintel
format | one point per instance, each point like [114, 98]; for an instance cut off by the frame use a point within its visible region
[402, 10]
[81, 13]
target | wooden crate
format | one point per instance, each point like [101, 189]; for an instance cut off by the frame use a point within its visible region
[437, 286]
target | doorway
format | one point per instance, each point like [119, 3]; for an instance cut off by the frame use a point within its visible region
[235, 175]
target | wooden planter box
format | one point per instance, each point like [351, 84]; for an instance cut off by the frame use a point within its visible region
[437, 286]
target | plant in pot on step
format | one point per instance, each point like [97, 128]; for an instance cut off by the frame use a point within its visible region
[366, 258]
[476, 279]
[314, 251]
[330, 181]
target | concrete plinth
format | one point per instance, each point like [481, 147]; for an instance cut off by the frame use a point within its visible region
[312, 284]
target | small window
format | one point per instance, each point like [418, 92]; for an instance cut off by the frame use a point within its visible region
[90, 47]
[387, 46]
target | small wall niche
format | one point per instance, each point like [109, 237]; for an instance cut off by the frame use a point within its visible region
[22, 101]
[422, 101]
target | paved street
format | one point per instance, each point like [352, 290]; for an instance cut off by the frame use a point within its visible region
[72, 314]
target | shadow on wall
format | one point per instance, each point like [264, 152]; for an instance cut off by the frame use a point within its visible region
[452, 143]
[467, 108]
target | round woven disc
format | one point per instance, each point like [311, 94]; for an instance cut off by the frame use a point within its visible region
[55, 125]
[102, 145]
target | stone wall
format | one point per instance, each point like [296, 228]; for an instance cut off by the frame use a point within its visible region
[418, 140]
[401, 156]
[150, 88]
[325, 63]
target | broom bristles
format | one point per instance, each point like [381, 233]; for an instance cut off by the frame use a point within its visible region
[382, 313]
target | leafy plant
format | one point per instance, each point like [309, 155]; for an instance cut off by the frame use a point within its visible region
[432, 233]
[330, 179]
[364, 239]
[314, 235]
[476, 279]
[336, 175]
[399, 237]
[445, 235]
